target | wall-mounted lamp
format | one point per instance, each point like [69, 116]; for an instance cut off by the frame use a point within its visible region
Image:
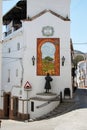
[63, 60]
[33, 60]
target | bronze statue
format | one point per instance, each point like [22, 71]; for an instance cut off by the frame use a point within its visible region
[47, 84]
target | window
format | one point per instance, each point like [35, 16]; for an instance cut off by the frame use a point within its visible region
[9, 50]
[9, 75]
[15, 106]
[16, 72]
[18, 46]
[32, 106]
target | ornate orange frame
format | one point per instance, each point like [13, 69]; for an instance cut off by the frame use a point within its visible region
[56, 42]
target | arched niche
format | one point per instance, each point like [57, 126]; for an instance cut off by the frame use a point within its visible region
[49, 62]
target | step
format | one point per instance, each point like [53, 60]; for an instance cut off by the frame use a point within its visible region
[60, 109]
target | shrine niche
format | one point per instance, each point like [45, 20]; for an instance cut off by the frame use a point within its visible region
[48, 56]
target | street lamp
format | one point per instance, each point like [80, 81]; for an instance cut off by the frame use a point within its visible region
[63, 60]
[33, 60]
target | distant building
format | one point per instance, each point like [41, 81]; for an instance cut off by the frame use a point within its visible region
[81, 74]
[35, 29]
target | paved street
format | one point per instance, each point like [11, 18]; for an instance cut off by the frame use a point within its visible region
[81, 95]
[74, 120]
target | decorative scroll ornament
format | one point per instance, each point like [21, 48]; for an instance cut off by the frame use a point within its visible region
[47, 31]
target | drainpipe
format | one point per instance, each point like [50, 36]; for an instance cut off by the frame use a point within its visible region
[21, 62]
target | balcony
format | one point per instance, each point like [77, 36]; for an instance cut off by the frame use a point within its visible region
[12, 19]
[12, 29]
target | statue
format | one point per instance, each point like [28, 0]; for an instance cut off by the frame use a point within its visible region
[47, 84]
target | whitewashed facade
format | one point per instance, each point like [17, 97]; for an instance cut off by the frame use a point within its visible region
[0, 44]
[20, 45]
[81, 74]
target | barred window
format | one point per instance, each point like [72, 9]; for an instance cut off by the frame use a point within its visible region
[8, 75]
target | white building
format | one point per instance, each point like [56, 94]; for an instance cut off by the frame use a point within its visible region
[81, 74]
[0, 43]
[40, 29]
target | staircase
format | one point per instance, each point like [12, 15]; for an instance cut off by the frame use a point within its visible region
[64, 107]
[79, 101]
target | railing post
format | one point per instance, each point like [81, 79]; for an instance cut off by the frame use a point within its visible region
[0, 123]
[61, 97]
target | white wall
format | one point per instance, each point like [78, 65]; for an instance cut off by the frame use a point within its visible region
[28, 39]
[12, 61]
[27, 36]
[0, 20]
[36, 6]
[42, 110]
[0, 45]
[34, 31]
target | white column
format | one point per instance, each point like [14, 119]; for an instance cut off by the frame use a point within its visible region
[0, 45]
[0, 20]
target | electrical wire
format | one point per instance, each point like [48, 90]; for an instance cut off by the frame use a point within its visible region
[80, 43]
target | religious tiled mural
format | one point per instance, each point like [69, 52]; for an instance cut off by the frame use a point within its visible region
[48, 56]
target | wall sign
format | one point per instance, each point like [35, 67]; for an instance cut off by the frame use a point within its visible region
[47, 31]
[27, 86]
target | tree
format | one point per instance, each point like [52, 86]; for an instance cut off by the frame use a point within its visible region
[48, 58]
[77, 59]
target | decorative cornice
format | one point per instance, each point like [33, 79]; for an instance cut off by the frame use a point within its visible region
[45, 11]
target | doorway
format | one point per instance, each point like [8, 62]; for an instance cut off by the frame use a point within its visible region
[6, 105]
[15, 106]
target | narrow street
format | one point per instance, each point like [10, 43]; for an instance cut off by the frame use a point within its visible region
[78, 101]
[73, 120]
[81, 97]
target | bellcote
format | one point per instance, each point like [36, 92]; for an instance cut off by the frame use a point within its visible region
[61, 7]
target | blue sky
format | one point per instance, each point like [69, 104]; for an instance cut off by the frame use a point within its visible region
[78, 18]
[79, 24]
